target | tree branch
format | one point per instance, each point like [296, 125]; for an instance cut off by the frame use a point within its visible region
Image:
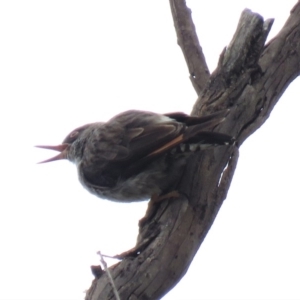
[249, 79]
[187, 39]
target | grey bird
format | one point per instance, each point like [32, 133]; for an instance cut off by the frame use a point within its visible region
[138, 155]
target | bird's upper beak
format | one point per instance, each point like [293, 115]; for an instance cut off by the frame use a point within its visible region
[63, 149]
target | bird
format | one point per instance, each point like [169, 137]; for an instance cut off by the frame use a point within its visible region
[138, 155]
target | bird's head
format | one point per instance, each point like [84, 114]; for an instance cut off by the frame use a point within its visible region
[72, 146]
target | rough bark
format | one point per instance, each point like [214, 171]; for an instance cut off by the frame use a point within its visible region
[249, 80]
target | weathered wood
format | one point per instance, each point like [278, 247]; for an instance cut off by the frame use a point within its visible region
[187, 39]
[249, 80]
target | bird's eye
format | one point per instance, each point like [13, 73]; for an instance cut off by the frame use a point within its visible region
[73, 134]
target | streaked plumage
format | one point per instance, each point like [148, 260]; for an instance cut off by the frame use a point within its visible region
[137, 154]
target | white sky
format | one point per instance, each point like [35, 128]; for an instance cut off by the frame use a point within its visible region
[67, 63]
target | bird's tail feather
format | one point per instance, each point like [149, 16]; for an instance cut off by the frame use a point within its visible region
[204, 140]
[207, 121]
[207, 137]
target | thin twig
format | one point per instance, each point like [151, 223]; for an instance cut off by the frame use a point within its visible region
[112, 257]
[188, 41]
[103, 262]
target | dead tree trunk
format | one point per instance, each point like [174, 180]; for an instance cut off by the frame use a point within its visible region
[249, 80]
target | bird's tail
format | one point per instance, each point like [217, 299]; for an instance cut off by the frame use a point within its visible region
[203, 140]
[197, 135]
[199, 131]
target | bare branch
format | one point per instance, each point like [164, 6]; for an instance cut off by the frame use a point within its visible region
[249, 80]
[238, 66]
[103, 262]
[280, 65]
[188, 41]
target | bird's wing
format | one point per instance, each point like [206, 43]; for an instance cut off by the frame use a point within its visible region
[194, 130]
[147, 134]
[122, 147]
[152, 137]
[111, 154]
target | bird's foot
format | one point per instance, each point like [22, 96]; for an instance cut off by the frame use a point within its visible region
[158, 198]
[152, 205]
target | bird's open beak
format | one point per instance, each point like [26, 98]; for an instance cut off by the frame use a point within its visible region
[63, 149]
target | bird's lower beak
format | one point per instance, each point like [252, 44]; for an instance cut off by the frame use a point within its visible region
[63, 149]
